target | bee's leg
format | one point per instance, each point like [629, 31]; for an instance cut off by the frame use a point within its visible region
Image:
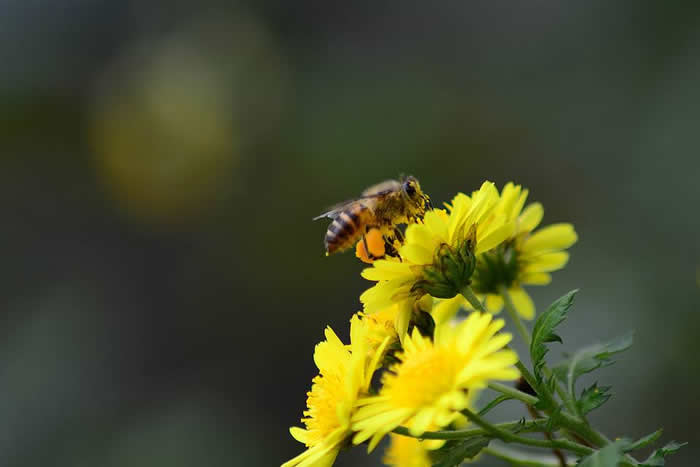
[390, 249]
[389, 244]
[399, 235]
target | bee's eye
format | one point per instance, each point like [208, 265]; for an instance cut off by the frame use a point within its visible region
[409, 188]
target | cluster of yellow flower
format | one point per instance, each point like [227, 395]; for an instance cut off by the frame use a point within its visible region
[468, 256]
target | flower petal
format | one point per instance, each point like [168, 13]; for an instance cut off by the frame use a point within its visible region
[518, 207]
[551, 238]
[445, 310]
[494, 238]
[299, 434]
[436, 221]
[548, 262]
[385, 270]
[416, 254]
[494, 303]
[510, 195]
[403, 318]
[530, 218]
[523, 303]
[535, 278]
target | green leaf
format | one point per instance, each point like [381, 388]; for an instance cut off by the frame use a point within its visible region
[657, 457]
[561, 369]
[453, 453]
[608, 456]
[598, 356]
[592, 398]
[589, 359]
[494, 403]
[645, 441]
[543, 332]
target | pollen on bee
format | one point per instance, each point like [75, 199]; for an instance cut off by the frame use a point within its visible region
[375, 244]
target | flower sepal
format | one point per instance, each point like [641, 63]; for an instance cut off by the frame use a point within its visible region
[451, 270]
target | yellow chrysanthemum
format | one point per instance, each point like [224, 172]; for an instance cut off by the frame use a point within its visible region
[437, 257]
[381, 329]
[525, 258]
[404, 451]
[345, 373]
[444, 310]
[436, 379]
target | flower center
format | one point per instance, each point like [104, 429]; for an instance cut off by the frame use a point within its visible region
[322, 416]
[422, 378]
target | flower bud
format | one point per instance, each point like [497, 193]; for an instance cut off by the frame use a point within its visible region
[451, 269]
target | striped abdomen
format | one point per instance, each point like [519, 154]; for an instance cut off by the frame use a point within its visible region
[346, 229]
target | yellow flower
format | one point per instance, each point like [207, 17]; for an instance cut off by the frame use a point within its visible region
[435, 380]
[438, 255]
[525, 258]
[444, 310]
[381, 329]
[405, 451]
[345, 373]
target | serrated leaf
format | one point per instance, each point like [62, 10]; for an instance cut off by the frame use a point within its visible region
[453, 453]
[608, 456]
[591, 358]
[543, 332]
[599, 355]
[645, 441]
[657, 458]
[592, 398]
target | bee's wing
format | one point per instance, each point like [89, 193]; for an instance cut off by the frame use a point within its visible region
[381, 188]
[334, 211]
[368, 198]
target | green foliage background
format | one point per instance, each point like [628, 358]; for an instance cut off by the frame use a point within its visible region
[162, 284]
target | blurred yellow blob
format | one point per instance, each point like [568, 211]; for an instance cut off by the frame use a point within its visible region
[375, 244]
[172, 118]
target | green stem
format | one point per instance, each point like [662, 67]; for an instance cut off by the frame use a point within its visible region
[473, 300]
[581, 428]
[527, 338]
[515, 317]
[532, 381]
[527, 427]
[517, 457]
[514, 393]
[509, 437]
[567, 421]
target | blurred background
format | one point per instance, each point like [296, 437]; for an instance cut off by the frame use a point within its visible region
[163, 285]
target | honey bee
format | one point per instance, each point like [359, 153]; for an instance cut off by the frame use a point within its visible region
[383, 206]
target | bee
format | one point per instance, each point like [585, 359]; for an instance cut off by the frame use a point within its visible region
[383, 206]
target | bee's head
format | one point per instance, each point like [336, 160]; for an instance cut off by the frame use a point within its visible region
[411, 190]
